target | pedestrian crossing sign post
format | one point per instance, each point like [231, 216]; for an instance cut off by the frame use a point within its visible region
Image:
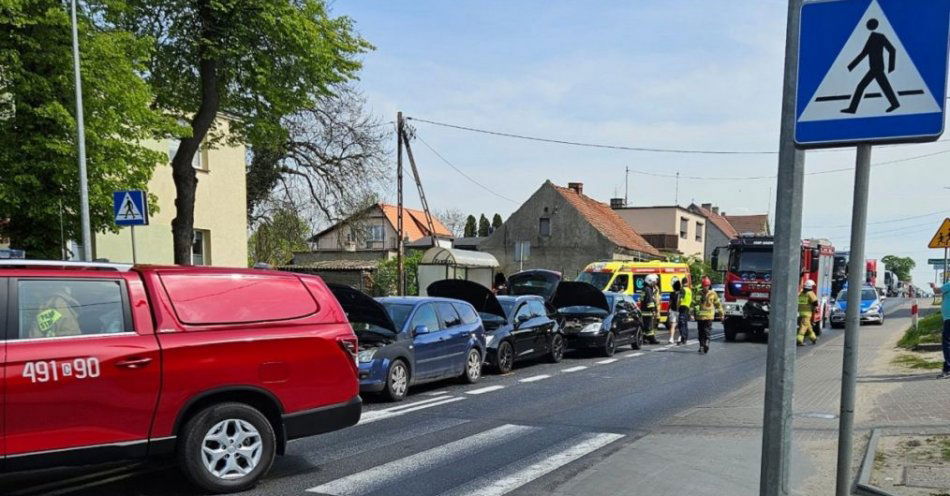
[871, 71]
[130, 209]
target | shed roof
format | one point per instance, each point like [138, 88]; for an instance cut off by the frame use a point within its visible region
[458, 258]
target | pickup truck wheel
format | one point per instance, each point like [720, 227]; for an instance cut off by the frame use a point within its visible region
[397, 381]
[227, 447]
[473, 367]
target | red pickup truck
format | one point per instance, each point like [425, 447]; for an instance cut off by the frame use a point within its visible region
[218, 367]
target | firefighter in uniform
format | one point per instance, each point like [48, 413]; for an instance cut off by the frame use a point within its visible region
[649, 307]
[707, 303]
[807, 307]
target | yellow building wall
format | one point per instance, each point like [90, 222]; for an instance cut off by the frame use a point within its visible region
[220, 209]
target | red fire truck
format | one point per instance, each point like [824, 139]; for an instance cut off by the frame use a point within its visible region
[747, 263]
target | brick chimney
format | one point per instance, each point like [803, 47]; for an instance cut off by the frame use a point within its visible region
[715, 210]
[723, 214]
[707, 206]
[616, 203]
[577, 187]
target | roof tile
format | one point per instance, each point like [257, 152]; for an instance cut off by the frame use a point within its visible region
[608, 222]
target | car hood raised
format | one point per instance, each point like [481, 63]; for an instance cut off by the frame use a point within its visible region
[538, 282]
[362, 308]
[470, 292]
[576, 293]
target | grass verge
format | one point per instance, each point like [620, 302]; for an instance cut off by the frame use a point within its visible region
[916, 362]
[928, 331]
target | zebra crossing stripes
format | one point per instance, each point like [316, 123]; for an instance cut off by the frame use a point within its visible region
[375, 478]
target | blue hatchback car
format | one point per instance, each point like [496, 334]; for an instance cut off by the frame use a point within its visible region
[435, 339]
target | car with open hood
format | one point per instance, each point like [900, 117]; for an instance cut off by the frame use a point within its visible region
[516, 327]
[410, 340]
[596, 320]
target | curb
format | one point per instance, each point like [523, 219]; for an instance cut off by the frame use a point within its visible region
[863, 485]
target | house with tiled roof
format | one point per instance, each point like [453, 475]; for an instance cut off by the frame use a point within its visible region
[750, 224]
[563, 229]
[374, 230]
[718, 230]
[669, 228]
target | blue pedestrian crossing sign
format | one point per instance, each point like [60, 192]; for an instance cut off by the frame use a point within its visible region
[130, 208]
[871, 71]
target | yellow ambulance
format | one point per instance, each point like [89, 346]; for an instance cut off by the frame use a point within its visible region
[628, 277]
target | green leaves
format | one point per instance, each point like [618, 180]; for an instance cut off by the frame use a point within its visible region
[901, 266]
[39, 186]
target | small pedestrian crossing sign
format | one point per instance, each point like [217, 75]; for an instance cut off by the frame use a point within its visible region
[872, 71]
[941, 238]
[130, 208]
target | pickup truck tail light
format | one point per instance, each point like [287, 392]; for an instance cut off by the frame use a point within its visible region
[350, 346]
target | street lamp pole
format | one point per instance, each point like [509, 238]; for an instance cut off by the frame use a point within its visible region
[81, 141]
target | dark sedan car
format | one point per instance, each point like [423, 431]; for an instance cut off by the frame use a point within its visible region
[602, 324]
[516, 327]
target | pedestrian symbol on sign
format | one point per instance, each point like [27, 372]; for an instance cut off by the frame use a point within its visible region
[128, 210]
[874, 51]
[875, 85]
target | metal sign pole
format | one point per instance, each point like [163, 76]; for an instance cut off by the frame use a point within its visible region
[134, 258]
[856, 267]
[81, 141]
[780, 369]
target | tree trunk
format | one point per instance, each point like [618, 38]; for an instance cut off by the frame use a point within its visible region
[186, 180]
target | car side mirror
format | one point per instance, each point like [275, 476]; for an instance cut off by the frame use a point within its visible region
[419, 329]
[521, 320]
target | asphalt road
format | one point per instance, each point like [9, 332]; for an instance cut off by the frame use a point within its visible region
[522, 433]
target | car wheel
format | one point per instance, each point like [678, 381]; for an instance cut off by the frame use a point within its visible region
[610, 345]
[227, 447]
[557, 349]
[505, 360]
[473, 367]
[637, 340]
[397, 381]
[730, 334]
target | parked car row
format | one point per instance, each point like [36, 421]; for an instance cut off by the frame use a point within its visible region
[462, 325]
[221, 368]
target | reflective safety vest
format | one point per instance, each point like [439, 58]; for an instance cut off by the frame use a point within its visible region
[648, 299]
[708, 301]
[687, 299]
[806, 303]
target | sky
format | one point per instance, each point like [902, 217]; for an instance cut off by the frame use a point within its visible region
[681, 74]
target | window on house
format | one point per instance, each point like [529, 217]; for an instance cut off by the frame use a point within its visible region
[375, 233]
[684, 227]
[699, 232]
[199, 248]
[544, 226]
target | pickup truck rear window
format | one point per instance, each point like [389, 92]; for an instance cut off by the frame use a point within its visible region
[203, 299]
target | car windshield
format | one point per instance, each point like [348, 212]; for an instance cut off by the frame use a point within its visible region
[399, 312]
[507, 305]
[866, 294]
[754, 261]
[598, 280]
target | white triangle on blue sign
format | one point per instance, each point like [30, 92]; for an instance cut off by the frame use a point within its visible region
[128, 210]
[835, 96]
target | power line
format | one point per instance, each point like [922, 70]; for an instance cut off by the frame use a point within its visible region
[613, 147]
[901, 219]
[466, 176]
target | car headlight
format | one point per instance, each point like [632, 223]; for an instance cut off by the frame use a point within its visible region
[367, 355]
[591, 328]
[836, 309]
[489, 338]
[873, 309]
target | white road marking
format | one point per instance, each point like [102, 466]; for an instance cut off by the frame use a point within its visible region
[383, 475]
[437, 393]
[633, 355]
[503, 481]
[370, 417]
[575, 369]
[535, 378]
[485, 390]
[359, 444]
[605, 362]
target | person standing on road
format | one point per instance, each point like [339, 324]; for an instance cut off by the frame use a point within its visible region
[706, 312]
[648, 308]
[807, 308]
[945, 310]
[673, 310]
[686, 301]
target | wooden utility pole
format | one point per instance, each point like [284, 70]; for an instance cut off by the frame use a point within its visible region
[400, 269]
